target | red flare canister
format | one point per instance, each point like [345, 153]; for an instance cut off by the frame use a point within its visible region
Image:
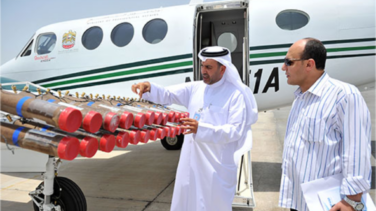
[139, 120]
[158, 118]
[160, 132]
[167, 131]
[126, 120]
[168, 117]
[65, 118]
[150, 116]
[173, 132]
[165, 119]
[140, 116]
[122, 139]
[153, 135]
[106, 142]
[134, 136]
[91, 121]
[171, 116]
[88, 144]
[110, 119]
[177, 116]
[178, 129]
[64, 147]
[139, 137]
[155, 108]
[145, 136]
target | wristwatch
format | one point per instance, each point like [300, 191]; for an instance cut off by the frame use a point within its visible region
[358, 206]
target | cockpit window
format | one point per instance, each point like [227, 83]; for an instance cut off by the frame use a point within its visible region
[292, 19]
[46, 43]
[27, 51]
[155, 31]
[92, 38]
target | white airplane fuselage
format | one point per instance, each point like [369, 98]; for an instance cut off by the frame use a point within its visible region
[346, 27]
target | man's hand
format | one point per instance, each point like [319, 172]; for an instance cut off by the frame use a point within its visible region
[342, 206]
[190, 124]
[142, 87]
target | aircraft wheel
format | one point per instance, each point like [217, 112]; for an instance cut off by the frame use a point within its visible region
[173, 143]
[67, 194]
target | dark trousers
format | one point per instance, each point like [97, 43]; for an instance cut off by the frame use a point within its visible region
[293, 210]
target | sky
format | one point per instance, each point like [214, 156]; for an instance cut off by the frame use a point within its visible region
[19, 19]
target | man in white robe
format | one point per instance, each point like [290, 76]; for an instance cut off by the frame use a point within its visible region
[222, 110]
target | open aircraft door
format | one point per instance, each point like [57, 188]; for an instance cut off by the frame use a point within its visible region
[226, 24]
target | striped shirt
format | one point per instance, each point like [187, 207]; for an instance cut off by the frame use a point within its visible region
[328, 132]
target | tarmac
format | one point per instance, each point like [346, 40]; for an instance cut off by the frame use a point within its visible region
[141, 177]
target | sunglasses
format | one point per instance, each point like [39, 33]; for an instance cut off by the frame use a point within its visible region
[289, 62]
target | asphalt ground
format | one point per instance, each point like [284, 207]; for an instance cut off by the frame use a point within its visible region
[141, 177]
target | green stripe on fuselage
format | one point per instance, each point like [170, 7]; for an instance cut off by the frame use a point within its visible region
[186, 70]
[328, 42]
[275, 61]
[122, 73]
[329, 50]
[115, 67]
[111, 81]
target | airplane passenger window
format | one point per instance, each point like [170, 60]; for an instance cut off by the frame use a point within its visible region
[292, 19]
[228, 40]
[92, 38]
[122, 34]
[155, 31]
[46, 43]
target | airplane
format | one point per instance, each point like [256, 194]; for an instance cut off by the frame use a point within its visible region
[108, 54]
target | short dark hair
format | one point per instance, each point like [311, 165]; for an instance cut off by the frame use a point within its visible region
[314, 49]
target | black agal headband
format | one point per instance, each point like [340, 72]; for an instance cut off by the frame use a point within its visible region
[207, 53]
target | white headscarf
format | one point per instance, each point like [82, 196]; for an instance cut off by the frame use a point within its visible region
[231, 75]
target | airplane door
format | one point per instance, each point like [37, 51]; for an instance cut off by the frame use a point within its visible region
[223, 24]
[226, 24]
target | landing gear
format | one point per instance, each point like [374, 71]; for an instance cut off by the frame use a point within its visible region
[67, 196]
[57, 193]
[173, 143]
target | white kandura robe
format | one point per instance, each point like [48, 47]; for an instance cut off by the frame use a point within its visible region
[206, 175]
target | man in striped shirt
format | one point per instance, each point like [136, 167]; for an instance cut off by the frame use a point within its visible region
[328, 131]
